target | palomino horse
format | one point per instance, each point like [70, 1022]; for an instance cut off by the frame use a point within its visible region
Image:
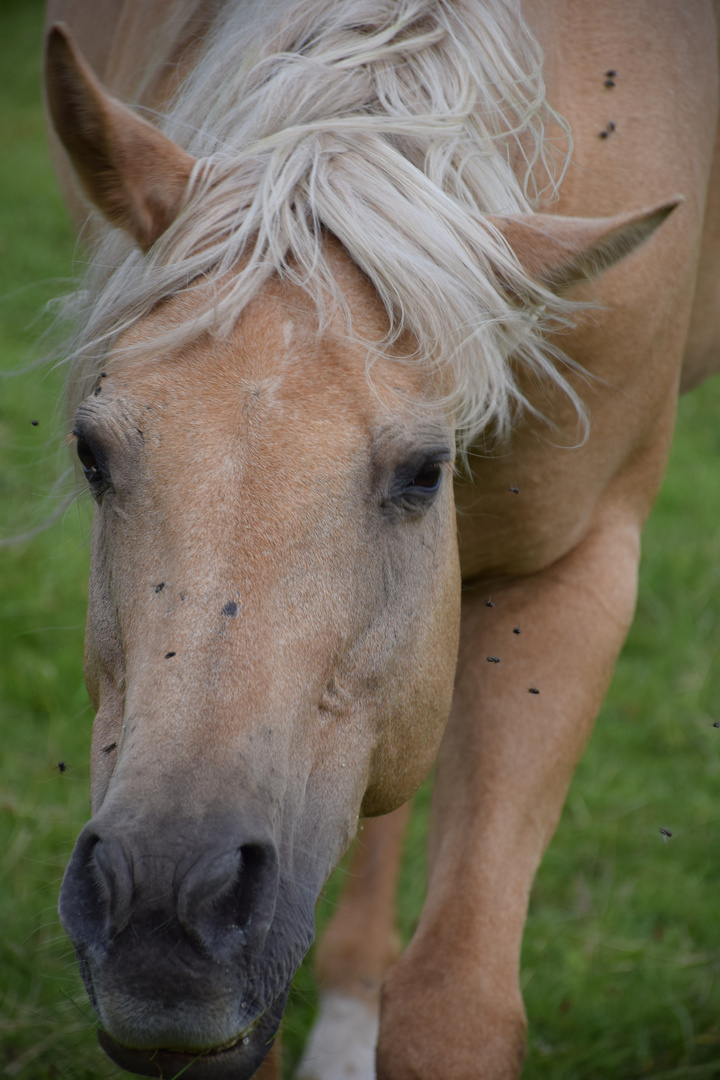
[349, 240]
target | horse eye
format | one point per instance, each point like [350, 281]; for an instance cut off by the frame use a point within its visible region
[417, 482]
[95, 470]
[428, 477]
[87, 458]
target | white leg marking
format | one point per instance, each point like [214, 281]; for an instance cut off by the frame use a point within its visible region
[341, 1045]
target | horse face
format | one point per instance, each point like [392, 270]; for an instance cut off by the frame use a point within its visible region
[271, 642]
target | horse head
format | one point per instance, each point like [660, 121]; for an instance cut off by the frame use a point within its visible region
[272, 627]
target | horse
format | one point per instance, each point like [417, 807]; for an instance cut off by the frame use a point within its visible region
[373, 381]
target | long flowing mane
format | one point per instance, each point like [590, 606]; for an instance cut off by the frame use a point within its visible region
[396, 125]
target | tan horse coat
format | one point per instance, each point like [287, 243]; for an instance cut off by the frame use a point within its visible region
[558, 557]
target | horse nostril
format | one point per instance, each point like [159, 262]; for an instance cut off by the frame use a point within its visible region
[224, 902]
[253, 903]
[229, 900]
[96, 890]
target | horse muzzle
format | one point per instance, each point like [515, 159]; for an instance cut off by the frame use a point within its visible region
[183, 938]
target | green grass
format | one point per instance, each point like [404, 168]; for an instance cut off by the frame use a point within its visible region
[621, 965]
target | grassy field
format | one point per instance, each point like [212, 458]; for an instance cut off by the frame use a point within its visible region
[621, 965]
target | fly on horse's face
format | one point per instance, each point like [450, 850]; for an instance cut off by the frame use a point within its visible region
[294, 671]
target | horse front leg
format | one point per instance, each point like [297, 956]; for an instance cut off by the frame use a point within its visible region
[356, 950]
[452, 1005]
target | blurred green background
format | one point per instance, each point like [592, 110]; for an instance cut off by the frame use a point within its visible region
[622, 953]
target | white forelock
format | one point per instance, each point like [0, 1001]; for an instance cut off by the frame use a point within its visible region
[396, 125]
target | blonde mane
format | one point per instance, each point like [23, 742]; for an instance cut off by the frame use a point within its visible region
[396, 125]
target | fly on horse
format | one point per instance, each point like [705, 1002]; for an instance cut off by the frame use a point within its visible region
[373, 379]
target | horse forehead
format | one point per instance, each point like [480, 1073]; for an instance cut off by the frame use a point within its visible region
[253, 413]
[275, 376]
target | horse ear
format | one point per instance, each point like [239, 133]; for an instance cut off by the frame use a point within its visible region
[562, 251]
[134, 174]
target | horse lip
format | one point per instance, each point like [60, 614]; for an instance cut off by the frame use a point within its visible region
[233, 1059]
[190, 1052]
[238, 1059]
